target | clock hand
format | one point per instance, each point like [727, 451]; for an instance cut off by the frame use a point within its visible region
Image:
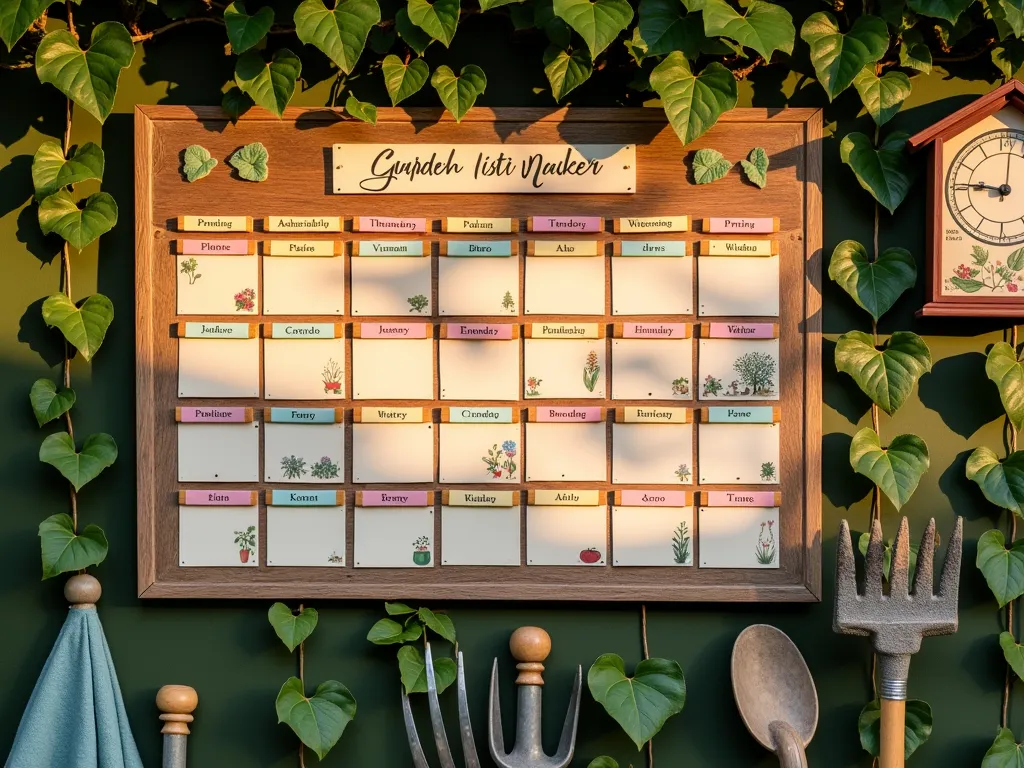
[1003, 189]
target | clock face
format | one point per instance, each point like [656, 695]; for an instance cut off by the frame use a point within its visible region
[985, 187]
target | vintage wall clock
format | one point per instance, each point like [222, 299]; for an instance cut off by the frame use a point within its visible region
[975, 236]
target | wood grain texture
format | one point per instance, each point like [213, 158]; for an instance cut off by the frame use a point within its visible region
[299, 156]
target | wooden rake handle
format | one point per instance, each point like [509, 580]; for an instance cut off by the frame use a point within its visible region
[893, 736]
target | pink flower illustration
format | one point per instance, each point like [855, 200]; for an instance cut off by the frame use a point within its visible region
[963, 271]
[1011, 287]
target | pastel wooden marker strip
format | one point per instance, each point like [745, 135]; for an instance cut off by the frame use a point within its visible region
[302, 224]
[652, 498]
[387, 224]
[651, 414]
[215, 223]
[385, 415]
[480, 498]
[563, 331]
[564, 248]
[204, 330]
[739, 330]
[566, 413]
[305, 498]
[389, 248]
[394, 498]
[571, 498]
[189, 247]
[218, 498]
[303, 248]
[651, 330]
[564, 224]
[651, 224]
[212, 414]
[303, 330]
[649, 248]
[743, 414]
[485, 415]
[480, 331]
[475, 248]
[475, 224]
[740, 498]
[730, 225]
[392, 330]
[304, 415]
[739, 248]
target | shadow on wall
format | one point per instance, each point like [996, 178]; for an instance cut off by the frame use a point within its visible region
[959, 374]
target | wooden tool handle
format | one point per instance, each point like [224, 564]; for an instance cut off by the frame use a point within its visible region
[176, 704]
[530, 646]
[893, 724]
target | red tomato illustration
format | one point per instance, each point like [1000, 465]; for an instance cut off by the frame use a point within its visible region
[590, 556]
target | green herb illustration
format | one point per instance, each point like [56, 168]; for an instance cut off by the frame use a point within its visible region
[591, 370]
[681, 544]
[765, 550]
[971, 279]
[712, 386]
[246, 542]
[334, 557]
[683, 473]
[500, 462]
[324, 469]
[293, 467]
[757, 372]
[189, 267]
[421, 551]
[508, 302]
[418, 302]
[768, 470]
[533, 386]
[681, 386]
[331, 376]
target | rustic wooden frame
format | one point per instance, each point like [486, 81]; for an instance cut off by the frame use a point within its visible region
[793, 137]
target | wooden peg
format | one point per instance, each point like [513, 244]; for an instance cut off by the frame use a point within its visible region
[176, 704]
[530, 646]
[82, 591]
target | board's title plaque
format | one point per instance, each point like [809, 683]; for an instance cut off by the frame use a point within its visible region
[588, 169]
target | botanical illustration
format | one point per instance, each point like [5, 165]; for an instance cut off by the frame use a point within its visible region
[500, 461]
[246, 542]
[983, 274]
[533, 386]
[591, 370]
[418, 302]
[712, 386]
[324, 469]
[334, 557]
[590, 556]
[189, 267]
[681, 386]
[245, 300]
[507, 302]
[683, 473]
[768, 471]
[681, 544]
[756, 371]
[765, 550]
[332, 375]
[251, 162]
[293, 467]
[421, 551]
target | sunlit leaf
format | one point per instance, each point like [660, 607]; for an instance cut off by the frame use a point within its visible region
[64, 551]
[838, 57]
[566, 70]
[320, 719]
[693, 103]
[884, 172]
[640, 704]
[245, 31]
[459, 92]
[83, 325]
[896, 470]
[598, 22]
[49, 403]
[98, 452]
[403, 80]
[52, 172]
[292, 628]
[340, 33]
[874, 285]
[269, 85]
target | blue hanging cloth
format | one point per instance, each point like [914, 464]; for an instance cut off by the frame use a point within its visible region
[76, 716]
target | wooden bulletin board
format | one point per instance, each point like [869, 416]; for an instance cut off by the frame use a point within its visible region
[299, 184]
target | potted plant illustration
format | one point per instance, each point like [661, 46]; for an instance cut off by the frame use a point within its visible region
[533, 386]
[499, 462]
[332, 375]
[768, 470]
[334, 557]
[507, 302]
[245, 300]
[418, 302]
[246, 542]
[681, 386]
[324, 469]
[712, 386]
[590, 556]
[681, 544]
[757, 371]
[421, 551]
[591, 370]
[293, 467]
[189, 267]
[765, 550]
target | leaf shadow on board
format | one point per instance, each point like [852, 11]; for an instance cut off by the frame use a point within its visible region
[839, 391]
[198, 82]
[46, 248]
[42, 340]
[839, 483]
[942, 391]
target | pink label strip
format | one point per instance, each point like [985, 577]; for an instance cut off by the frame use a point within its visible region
[394, 499]
[741, 499]
[752, 226]
[391, 224]
[742, 330]
[480, 331]
[653, 498]
[567, 223]
[393, 330]
[568, 413]
[212, 415]
[214, 247]
[653, 330]
[219, 498]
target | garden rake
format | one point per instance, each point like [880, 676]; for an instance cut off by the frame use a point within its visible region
[898, 620]
[444, 752]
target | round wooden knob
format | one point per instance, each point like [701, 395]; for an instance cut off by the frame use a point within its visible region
[82, 590]
[530, 646]
[176, 704]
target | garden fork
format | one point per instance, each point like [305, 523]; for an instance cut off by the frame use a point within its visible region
[898, 620]
[444, 752]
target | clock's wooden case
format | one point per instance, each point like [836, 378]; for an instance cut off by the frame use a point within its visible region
[1009, 95]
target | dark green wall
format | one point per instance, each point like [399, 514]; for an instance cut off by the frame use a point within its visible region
[228, 651]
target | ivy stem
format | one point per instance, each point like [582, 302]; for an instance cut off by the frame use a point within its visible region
[302, 682]
[647, 655]
[65, 260]
[876, 492]
[1008, 680]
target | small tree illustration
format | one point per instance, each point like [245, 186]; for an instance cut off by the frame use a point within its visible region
[418, 302]
[508, 302]
[189, 267]
[756, 370]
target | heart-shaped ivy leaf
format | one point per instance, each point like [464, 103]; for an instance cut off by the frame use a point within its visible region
[198, 163]
[917, 726]
[693, 103]
[1002, 568]
[361, 110]
[16, 16]
[269, 85]
[319, 720]
[403, 80]
[89, 78]
[896, 470]
[887, 375]
[598, 22]
[413, 36]
[51, 171]
[251, 162]
[884, 172]
[1005, 752]
[1004, 367]
[1009, 57]
[439, 623]
[84, 326]
[1013, 652]
[838, 57]
[245, 31]
[398, 609]
[439, 19]
[566, 70]
[709, 166]
[915, 53]
[49, 403]
[390, 632]
[235, 103]
[98, 452]
[665, 26]
[882, 96]
[640, 704]
[603, 762]
[64, 551]
[874, 285]
[755, 167]
[60, 213]
[292, 628]
[1002, 482]
[459, 93]
[557, 31]
[949, 10]
[339, 33]
[413, 670]
[764, 27]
